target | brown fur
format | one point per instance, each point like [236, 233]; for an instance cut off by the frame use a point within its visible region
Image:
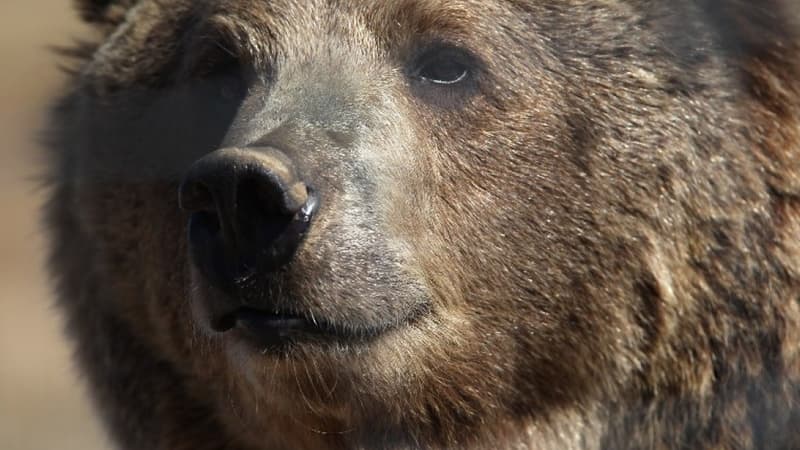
[605, 229]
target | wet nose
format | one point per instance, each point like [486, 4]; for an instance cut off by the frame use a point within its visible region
[249, 212]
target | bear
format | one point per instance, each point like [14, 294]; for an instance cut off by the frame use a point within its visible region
[399, 224]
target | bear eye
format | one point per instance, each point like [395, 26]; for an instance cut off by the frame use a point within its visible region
[443, 70]
[221, 72]
[443, 66]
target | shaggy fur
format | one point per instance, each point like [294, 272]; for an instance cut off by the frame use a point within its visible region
[594, 243]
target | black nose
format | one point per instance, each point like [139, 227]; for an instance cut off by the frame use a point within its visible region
[250, 212]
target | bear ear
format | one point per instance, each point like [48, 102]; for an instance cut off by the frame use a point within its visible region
[103, 12]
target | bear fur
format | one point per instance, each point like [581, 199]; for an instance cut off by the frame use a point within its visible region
[604, 222]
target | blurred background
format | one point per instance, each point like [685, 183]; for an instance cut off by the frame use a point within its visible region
[43, 404]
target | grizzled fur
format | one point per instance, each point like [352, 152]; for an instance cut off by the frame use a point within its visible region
[594, 243]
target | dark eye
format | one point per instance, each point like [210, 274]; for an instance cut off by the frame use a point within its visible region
[220, 73]
[230, 79]
[443, 66]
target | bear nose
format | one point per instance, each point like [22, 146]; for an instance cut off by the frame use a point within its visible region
[249, 212]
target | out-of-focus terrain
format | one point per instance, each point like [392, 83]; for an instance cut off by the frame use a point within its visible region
[43, 406]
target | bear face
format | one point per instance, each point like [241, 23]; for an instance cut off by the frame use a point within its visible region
[515, 224]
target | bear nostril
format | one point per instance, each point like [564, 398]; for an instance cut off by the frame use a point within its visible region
[195, 196]
[207, 222]
[262, 215]
[269, 199]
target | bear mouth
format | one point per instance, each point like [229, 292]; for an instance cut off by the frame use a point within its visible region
[272, 330]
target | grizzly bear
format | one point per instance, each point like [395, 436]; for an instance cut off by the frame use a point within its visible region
[462, 224]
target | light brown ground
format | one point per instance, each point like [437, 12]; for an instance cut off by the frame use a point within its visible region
[42, 404]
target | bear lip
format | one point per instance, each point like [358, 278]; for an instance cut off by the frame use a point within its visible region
[277, 330]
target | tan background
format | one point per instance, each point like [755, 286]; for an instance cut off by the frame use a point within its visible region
[43, 406]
